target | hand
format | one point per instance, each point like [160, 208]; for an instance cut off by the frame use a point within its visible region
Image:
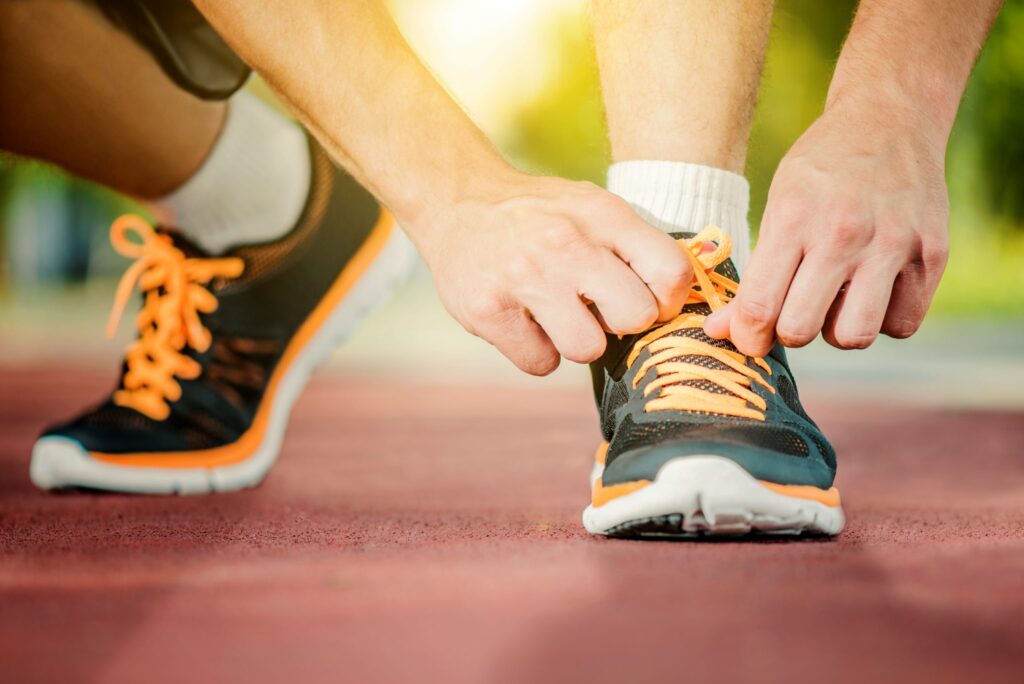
[853, 241]
[543, 269]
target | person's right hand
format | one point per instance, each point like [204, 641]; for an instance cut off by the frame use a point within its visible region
[544, 270]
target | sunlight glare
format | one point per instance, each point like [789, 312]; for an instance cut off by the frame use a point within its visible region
[492, 55]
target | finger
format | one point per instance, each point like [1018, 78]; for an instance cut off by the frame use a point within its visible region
[763, 289]
[716, 326]
[516, 335]
[828, 331]
[908, 304]
[811, 293]
[624, 302]
[570, 325]
[912, 293]
[656, 258]
[857, 319]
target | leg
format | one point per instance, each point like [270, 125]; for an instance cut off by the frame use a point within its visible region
[680, 83]
[680, 79]
[83, 95]
[283, 255]
[696, 443]
[80, 93]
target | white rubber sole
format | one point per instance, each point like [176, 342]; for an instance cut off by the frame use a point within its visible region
[708, 495]
[59, 462]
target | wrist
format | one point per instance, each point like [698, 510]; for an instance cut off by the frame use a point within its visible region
[884, 105]
[896, 90]
[426, 193]
[433, 214]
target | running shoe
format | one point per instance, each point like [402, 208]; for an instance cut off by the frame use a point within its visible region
[225, 345]
[700, 439]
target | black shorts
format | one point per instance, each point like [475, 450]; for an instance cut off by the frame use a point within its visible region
[184, 44]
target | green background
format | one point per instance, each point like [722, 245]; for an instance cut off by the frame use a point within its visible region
[561, 131]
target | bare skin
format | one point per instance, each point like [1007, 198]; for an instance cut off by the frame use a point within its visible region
[516, 258]
[680, 79]
[79, 93]
[854, 237]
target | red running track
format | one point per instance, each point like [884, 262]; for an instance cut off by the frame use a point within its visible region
[432, 534]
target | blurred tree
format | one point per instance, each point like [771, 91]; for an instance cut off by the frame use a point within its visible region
[992, 110]
[562, 132]
[805, 42]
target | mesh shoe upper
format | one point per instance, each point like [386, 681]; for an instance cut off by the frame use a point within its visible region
[776, 441]
[256, 314]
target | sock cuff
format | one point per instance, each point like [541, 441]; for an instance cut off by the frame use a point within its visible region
[682, 194]
[679, 196]
[251, 188]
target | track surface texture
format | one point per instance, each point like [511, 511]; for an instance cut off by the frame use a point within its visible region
[428, 533]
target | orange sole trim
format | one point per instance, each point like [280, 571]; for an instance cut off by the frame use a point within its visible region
[601, 495]
[829, 497]
[249, 442]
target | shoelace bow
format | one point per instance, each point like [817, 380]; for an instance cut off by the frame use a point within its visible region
[667, 350]
[175, 295]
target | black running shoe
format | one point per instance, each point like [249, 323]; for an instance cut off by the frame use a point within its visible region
[700, 439]
[226, 345]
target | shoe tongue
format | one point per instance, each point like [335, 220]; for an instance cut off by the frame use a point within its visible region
[726, 268]
[193, 251]
[188, 248]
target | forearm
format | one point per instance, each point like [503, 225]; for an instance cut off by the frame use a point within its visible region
[911, 59]
[348, 75]
[854, 237]
[513, 256]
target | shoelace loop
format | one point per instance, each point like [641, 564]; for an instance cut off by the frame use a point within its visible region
[175, 296]
[667, 350]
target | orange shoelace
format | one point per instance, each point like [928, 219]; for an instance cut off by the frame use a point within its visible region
[174, 285]
[667, 350]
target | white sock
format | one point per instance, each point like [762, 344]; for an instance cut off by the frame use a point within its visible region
[253, 185]
[683, 197]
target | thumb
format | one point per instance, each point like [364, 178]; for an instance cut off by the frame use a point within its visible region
[716, 326]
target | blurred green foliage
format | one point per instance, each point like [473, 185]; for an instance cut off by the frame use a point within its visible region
[563, 133]
[992, 112]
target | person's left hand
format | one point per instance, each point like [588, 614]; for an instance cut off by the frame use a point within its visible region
[853, 241]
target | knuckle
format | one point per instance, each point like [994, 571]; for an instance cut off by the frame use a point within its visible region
[756, 312]
[560, 234]
[894, 240]
[483, 306]
[755, 348]
[795, 333]
[607, 202]
[648, 314]
[521, 269]
[860, 339]
[902, 328]
[673, 270]
[541, 365]
[642, 318]
[935, 254]
[586, 351]
[849, 230]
